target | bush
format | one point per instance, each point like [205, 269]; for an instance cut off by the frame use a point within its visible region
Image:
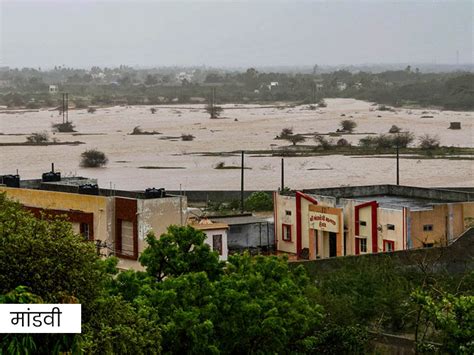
[323, 142]
[429, 142]
[91, 109]
[137, 130]
[387, 141]
[403, 139]
[93, 159]
[153, 110]
[214, 111]
[259, 201]
[79, 103]
[286, 132]
[394, 129]
[63, 127]
[343, 143]
[38, 138]
[295, 139]
[322, 103]
[348, 125]
[187, 137]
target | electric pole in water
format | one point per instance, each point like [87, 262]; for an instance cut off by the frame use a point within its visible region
[242, 185]
[398, 164]
[282, 175]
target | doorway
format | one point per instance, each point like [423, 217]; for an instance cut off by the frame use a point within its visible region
[332, 244]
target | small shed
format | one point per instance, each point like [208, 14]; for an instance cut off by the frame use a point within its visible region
[455, 125]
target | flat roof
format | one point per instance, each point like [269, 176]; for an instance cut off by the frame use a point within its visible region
[398, 202]
[238, 220]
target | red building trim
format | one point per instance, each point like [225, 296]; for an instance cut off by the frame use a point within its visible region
[300, 195]
[276, 218]
[389, 242]
[373, 205]
[283, 225]
[72, 216]
[126, 210]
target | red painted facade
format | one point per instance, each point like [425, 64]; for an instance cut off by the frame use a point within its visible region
[126, 210]
[299, 196]
[70, 216]
[373, 208]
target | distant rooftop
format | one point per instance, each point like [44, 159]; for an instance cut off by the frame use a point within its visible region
[398, 202]
[73, 184]
[238, 220]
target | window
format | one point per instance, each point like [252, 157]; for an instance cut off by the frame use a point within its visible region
[388, 245]
[363, 245]
[217, 243]
[428, 245]
[363, 223]
[427, 228]
[127, 238]
[286, 235]
[84, 230]
[288, 213]
[391, 227]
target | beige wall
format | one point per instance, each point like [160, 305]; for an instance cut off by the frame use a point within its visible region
[448, 220]
[390, 216]
[100, 206]
[283, 204]
[156, 215]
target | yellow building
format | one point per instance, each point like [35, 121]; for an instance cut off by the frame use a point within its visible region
[330, 222]
[118, 221]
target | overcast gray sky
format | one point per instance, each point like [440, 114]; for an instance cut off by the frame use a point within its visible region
[82, 33]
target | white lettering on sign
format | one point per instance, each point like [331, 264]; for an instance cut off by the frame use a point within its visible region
[324, 222]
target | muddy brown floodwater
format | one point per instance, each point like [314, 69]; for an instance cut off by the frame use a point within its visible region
[245, 127]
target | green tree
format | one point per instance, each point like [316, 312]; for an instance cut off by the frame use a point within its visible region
[179, 251]
[43, 261]
[259, 201]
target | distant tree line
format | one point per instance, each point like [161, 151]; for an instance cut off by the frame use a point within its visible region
[125, 85]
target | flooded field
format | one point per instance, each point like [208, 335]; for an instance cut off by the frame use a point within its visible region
[164, 160]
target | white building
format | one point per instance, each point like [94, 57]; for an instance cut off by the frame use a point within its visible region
[53, 89]
[216, 236]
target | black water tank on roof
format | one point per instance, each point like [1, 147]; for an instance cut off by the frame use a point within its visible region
[51, 177]
[11, 180]
[89, 189]
[155, 193]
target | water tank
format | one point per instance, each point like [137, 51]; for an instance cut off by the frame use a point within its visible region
[155, 193]
[11, 180]
[51, 177]
[89, 189]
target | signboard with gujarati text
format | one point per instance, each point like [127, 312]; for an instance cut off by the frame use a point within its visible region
[323, 221]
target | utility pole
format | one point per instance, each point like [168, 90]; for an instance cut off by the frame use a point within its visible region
[242, 185]
[64, 106]
[282, 175]
[67, 107]
[180, 206]
[398, 164]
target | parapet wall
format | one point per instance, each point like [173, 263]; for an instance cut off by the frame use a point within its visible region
[455, 258]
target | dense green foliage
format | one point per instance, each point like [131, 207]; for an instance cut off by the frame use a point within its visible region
[93, 158]
[380, 296]
[43, 261]
[259, 201]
